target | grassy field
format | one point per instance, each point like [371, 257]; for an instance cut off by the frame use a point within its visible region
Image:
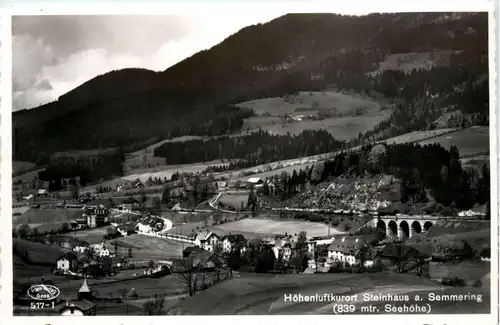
[20, 167]
[144, 159]
[37, 253]
[92, 236]
[470, 141]
[341, 128]
[263, 175]
[470, 271]
[149, 247]
[417, 136]
[234, 200]
[168, 171]
[264, 294]
[26, 177]
[324, 100]
[39, 216]
[408, 61]
[268, 226]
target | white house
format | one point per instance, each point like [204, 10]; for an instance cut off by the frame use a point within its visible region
[63, 264]
[230, 241]
[42, 193]
[206, 240]
[81, 248]
[344, 249]
[104, 252]
[143, 227]
[125, 207]
[100, 250]
[255, 182]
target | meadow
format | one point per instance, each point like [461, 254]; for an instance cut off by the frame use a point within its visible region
[20, 167]
[37, 253]
[470, 141]
[168, 171]
[263, 294]
[275, 227]
[341, 128]
[337, 102]
[91, 236]
[148, 247]
[234, 200]
[41, 215]
[409, 61]
[417, 136]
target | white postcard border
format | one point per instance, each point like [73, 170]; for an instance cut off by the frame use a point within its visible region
[202, 8]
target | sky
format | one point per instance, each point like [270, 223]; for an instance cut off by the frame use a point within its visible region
[52, 55]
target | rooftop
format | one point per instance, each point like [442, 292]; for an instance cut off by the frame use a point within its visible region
[81, 304]
[346, 244]
[234, 238]
[84, 287]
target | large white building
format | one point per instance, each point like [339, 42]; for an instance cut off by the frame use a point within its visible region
[344, 249]
[206, 240]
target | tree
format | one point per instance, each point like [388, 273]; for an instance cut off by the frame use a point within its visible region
[90, 253]
[265, 261]
[218, 259]
[74, 191]
[188, 273]
[65, 227]
[301, 241]
[130, 253]
[151, 264]
[362, 254]
[23, 231]
[155, 306]
[165, 196]
[251, 198]
[265, 188]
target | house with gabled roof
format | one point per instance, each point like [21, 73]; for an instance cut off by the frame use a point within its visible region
[207, 240]
[230, 241]
[126, 229]
[67, 262]
[80, 307]
[345, 248]
[255, 182]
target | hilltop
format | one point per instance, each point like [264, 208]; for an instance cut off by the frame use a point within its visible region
[196, 96]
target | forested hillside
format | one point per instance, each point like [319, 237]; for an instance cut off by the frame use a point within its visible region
[135, 107]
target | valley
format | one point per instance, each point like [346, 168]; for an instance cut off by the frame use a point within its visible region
[315, 154]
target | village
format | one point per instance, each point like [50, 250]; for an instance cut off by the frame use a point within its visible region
[208, 250]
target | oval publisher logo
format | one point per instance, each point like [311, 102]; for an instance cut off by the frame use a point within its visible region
[43, 292]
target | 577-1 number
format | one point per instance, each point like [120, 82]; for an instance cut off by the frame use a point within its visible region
[39, 305]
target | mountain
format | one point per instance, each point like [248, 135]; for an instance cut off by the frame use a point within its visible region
[134, 107]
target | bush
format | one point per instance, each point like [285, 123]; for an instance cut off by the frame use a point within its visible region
[453, 282]
[477, 284]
